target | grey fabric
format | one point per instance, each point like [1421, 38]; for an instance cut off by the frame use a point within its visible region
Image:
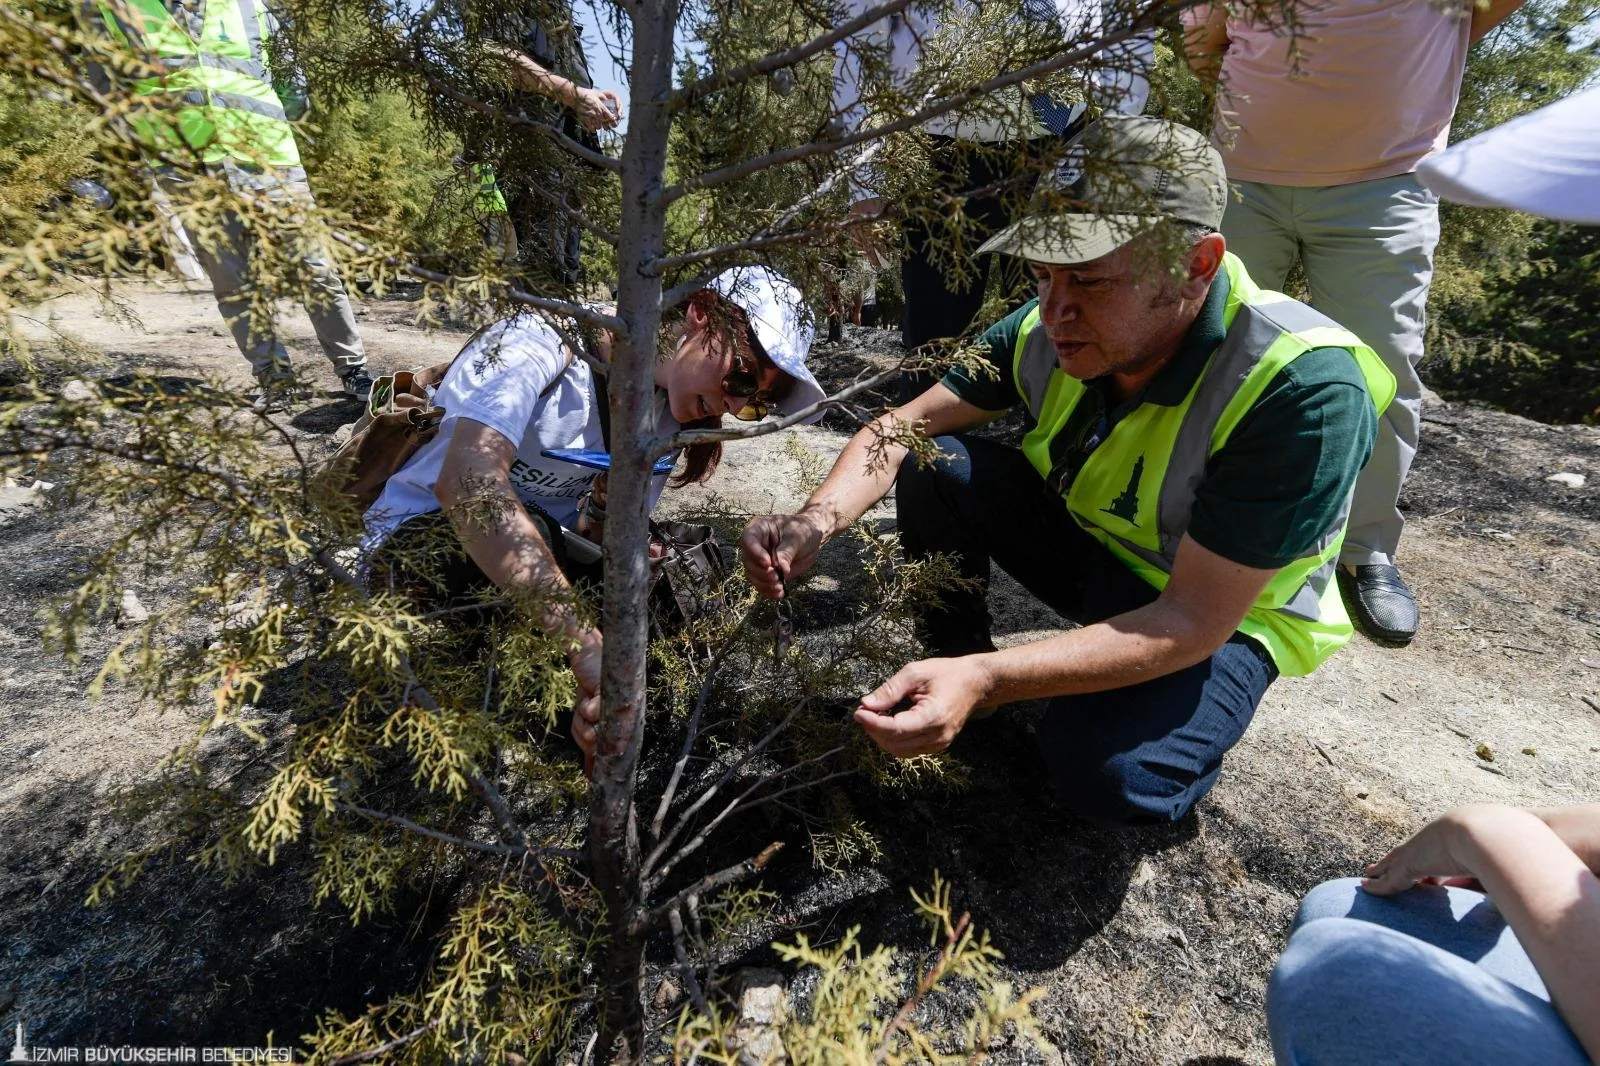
[1367, 248]
[226, 263]
[248, 67]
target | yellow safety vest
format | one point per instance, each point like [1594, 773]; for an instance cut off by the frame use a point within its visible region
[216, 97]
[1135, 491]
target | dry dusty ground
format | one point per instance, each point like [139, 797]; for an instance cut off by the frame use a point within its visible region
[1150, 946]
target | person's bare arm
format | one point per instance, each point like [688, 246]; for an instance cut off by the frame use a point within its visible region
[595, 108]
[1579, 829]
[1487, 16]
[777, 547]
[474, 488]
[1546, 892]
[1205, 40]
[1201, 607]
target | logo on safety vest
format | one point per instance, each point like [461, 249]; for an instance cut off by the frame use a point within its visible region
[1126, 506]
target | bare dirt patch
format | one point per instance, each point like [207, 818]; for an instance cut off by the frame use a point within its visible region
[1151, 946]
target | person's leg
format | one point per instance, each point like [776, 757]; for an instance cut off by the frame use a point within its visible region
[1258, 227]
[1459, 920]
[1146, 754]
[225, 258]
[937, 305]
[1348, 991]
[329, 306]
[983, 501]
[1368, 253]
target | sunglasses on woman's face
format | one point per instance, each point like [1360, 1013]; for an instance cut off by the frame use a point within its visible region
[743, 382]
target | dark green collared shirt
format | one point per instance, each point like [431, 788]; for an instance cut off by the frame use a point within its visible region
[1283, 476]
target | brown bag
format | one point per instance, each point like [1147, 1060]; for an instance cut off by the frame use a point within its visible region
[400, 417]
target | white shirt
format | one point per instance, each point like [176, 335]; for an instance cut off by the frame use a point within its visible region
[513, 377]
[1120, 73]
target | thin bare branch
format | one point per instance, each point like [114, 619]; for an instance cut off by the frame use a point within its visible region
[356, 1057]
[692, 732]
[654, 918]
[703, 87]
[680, 951]
[457, 841]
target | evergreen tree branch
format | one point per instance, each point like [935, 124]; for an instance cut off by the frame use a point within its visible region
[1143, 23]
[684, 438]
[697, 90]
[773, 240]
[511, 831]
[357, 1057]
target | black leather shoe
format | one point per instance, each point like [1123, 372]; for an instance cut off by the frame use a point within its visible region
[1380, 602]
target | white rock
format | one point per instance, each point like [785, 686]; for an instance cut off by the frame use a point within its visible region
[79, 391]
[1568, 479]
[763, 1008]
[130, 612]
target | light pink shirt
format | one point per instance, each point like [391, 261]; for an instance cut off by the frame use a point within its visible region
[1373, 95]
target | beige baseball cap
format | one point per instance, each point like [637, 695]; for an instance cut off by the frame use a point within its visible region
[1120, 177]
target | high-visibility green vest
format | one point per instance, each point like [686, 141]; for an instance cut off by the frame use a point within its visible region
[216, 98]
[1135, 491]
[489, 200]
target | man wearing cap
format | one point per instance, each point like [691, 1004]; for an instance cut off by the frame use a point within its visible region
[1182, 491]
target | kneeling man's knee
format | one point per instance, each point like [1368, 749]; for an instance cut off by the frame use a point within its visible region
[1121, 789]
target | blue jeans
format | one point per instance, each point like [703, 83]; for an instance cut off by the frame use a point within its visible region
[1433, 975]
[1141, 754]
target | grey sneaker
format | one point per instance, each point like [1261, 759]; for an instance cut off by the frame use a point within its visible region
[276, 392]
[357, 382]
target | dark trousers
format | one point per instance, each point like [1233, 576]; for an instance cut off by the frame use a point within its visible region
[937, 308]
[1144, 753]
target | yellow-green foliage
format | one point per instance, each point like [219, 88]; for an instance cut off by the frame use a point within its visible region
[372, 157]
[39, 153]
[881, 1008]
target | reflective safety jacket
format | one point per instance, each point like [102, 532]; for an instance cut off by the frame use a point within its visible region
[1135, 490]
[215, 97]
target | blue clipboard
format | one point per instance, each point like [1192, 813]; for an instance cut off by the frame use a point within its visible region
[597, 460]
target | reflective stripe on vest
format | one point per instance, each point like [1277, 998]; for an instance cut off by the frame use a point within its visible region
[214, 96]
[1299, 616]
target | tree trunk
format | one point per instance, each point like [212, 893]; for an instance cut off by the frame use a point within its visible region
[613, 833]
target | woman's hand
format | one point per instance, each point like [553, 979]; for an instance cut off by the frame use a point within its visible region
[1434, 854]
[584, 658]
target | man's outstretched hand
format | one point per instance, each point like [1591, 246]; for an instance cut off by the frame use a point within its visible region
[779, 548]
[920, 710]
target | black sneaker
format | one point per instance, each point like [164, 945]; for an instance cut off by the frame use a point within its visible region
[357, 382]
[1380, 602]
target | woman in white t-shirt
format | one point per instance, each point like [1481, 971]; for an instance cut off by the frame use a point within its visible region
[514, 394]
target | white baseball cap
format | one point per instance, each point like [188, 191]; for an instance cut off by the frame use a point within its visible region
[782, 326]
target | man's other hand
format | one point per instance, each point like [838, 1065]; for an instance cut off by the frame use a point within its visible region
[934, 697]
[779, 548]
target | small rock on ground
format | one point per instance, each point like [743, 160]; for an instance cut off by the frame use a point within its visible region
[130, 612]
[1568, 479]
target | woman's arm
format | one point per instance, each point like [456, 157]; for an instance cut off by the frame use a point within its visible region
[1547, 893]
[474, 488]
